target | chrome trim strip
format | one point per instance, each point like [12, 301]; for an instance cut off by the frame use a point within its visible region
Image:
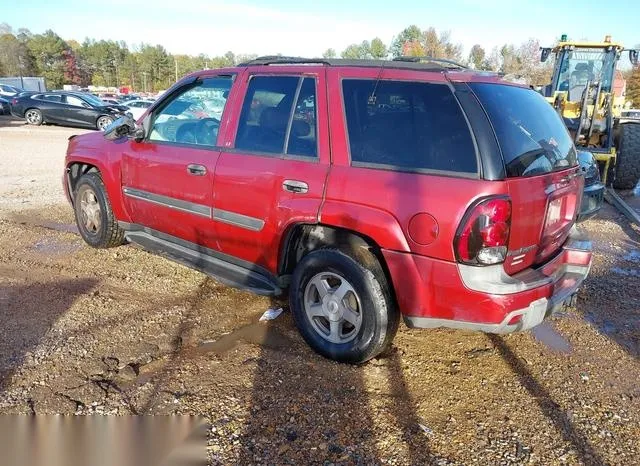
[239, 220]
[171, 202]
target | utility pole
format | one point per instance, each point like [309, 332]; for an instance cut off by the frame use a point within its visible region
[115, 63]
[20, 65]
[144, 76]
[176, 62]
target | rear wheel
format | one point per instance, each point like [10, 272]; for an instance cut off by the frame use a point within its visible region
[342, 305]
[628, 156]
[33, 116]
[103, 122]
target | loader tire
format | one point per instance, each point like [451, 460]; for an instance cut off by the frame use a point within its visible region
[628, 156]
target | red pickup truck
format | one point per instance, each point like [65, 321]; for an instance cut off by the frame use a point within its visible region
[369, 190]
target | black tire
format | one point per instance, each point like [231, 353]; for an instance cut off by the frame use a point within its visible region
[103, 121]
[108, 234]
[628, 156]
[37, 119]
[378, 310]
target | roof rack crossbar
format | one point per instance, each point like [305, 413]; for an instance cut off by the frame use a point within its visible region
[280, 60]
[450, 63]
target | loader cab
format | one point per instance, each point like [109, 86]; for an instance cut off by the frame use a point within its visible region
[576, 67]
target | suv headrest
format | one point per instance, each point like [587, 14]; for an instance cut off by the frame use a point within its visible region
[274, 119]
[300, 128]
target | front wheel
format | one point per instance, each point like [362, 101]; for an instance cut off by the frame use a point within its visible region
[103, 122]
[96, 222]
[342, 306]
[628, 156]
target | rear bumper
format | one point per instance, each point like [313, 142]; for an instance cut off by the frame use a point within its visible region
[434, 293]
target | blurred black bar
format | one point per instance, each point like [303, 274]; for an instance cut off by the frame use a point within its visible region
[57, 440]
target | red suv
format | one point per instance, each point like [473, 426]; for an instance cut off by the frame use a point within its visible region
[368, 189]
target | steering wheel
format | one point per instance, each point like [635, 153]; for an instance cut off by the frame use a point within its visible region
[207, 131]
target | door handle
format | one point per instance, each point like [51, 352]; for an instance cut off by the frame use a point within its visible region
[196, 170]
[294, 186]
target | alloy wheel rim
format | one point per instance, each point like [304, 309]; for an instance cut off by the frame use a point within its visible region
[90, 211]
[33, 116]
[333, 307]
[103, 123]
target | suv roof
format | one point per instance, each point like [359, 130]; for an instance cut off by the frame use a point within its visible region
[417, 63]
[456, 71]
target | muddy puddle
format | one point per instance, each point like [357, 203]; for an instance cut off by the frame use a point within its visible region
[258, 333]
[50, 246]
[37, 221]
[551, 338]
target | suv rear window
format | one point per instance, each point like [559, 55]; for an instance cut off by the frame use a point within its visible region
[532, 136]
[407, 126]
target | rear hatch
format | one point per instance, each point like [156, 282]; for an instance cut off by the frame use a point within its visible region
[543, 175]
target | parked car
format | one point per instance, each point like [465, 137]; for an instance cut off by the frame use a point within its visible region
[66, 108]
[454, 205]
[9, 91]
[630, 115]
[593, 193]
[128, 97]
[138, 107]
[5, 107]
[111, 101]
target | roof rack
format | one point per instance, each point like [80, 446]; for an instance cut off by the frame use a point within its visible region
[411, 63]
[444, 61]
[280, 60]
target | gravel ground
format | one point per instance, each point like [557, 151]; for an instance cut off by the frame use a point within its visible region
[121, 331]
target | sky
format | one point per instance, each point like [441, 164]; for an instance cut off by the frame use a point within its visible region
[306, 28]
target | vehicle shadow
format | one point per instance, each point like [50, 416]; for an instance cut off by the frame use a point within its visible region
[306, 409]
[28, 313]
[9, 121]
[548, 406]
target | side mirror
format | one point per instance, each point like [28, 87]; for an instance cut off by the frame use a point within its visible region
[545, 54]
[122, 127]
[633, 57]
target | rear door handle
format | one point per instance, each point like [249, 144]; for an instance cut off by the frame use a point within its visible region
[196, 170]
[295, 186]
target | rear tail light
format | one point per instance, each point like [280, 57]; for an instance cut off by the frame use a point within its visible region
[483, 235]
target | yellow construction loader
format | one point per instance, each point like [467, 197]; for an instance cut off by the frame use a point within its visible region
[583, 92]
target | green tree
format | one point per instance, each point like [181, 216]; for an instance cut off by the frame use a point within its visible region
[378, 49]
[15, 57]
[48, 52]
[354, 51]
[477, 57]
[409, 35]
[633, 87]
[329, 53]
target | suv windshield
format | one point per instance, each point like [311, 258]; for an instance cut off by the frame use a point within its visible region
[532, 136]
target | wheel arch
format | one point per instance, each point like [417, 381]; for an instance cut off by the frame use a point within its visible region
[78, 167]
[302, 238]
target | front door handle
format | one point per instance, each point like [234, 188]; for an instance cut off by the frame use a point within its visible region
[295, 186]
[196, 170]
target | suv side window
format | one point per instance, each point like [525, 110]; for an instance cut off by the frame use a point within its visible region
[279, 116]
[193, 115]
[407, 126]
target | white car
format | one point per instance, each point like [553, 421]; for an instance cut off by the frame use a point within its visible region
[9, 91]
[138, 107]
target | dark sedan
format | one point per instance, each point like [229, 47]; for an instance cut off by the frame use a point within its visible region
[5, 108]
[65, 108]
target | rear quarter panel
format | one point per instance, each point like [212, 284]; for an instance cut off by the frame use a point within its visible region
[381, 203]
